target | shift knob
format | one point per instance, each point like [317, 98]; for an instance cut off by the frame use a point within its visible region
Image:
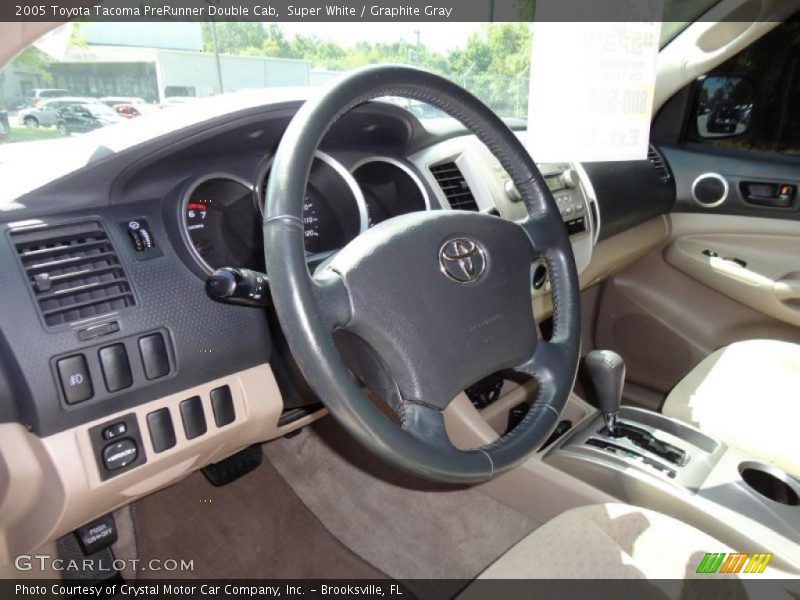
[607, 371]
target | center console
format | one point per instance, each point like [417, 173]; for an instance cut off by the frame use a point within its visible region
[637, 457]
[710, 470]
[646, 459]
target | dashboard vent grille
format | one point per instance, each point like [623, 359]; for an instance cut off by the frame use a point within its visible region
[454, 186]
[73, 270]
[658, 164]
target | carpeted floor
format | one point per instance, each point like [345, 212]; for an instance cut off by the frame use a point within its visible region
[255, 527]
[322, 507]
[406, 527]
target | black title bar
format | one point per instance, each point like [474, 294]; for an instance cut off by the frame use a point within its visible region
[275, 11]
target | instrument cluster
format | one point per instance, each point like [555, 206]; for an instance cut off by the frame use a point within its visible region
[222, 214]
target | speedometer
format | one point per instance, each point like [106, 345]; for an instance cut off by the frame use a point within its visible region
[311, 223]
[334, 211]
[222, 218]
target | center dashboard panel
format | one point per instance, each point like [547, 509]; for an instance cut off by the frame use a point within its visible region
[467, 176]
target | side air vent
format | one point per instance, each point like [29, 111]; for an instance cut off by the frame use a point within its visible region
[73, 270]
[658, 164]
[454, 186]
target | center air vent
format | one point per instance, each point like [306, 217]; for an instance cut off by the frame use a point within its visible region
[454, 186]
[73, 270]
[658, 164]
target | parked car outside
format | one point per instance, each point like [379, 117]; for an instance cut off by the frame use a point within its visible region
[112, 101]
[46, 113]
[128, 111]
[80, 118]
[38, 95]
[723, 119]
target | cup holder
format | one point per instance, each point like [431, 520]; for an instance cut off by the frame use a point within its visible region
[771, 483]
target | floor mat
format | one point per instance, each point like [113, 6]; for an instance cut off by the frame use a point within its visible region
[406, 527]
[255, 527]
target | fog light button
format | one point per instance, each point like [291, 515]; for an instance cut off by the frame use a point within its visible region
[75, 379]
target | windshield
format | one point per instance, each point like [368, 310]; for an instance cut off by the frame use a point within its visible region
[169, 65]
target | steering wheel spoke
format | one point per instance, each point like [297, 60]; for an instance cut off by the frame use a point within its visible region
[333, 299]
[425, 424]
[542, 232]
[546, 362]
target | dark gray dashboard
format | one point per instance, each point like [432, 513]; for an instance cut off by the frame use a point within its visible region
[203, 339]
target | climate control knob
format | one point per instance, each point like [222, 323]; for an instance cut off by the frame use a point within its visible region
[570, 178]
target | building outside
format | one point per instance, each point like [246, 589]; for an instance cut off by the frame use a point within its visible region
[15, 81]
[156, 62]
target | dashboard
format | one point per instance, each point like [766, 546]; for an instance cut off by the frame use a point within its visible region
[118, 373]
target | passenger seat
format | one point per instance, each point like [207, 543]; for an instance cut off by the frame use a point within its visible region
[748, 396]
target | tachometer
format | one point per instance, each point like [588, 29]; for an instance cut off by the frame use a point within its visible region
[224, 224]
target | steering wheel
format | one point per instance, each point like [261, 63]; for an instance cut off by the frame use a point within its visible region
[441, 298]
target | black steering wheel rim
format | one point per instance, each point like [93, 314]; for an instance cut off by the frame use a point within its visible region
[311, 308]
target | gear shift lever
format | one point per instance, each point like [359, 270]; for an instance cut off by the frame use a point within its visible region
[607, 370]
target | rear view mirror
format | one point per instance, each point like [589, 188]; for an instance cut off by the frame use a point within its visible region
[724, 105]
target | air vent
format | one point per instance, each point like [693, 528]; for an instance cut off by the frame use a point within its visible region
[454, 186]
[73, 270]
[658, 164]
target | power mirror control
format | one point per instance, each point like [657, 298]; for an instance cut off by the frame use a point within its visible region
[117, 446]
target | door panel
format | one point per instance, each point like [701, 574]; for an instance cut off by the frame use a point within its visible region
[762, 272]
[667, 312]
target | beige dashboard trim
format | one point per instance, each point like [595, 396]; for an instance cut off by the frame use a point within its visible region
[51, 485]
[683, 224]
[535, 487]
[612, 255]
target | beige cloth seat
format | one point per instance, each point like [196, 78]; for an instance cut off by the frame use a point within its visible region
[747, 395]
[618, 541]
[607, 541]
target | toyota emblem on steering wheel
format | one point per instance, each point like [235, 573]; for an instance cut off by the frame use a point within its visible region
[462, 260]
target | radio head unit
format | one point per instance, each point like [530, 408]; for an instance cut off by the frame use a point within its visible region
[563, 183]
